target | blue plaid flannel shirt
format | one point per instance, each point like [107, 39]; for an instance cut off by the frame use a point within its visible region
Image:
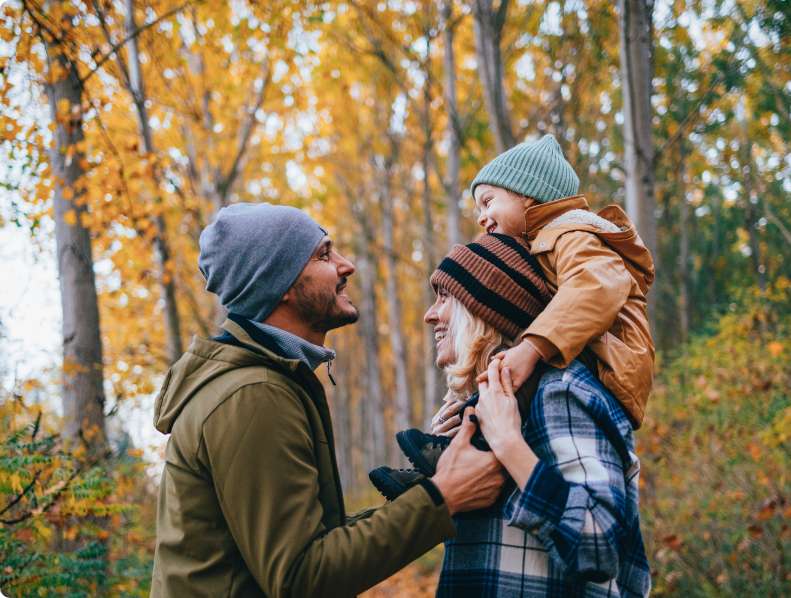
[574, 530]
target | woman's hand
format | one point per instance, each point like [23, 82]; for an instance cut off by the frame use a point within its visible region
[498, 412]
[448, 419]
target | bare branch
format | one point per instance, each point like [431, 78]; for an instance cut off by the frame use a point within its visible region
[248, 128]
[115, 47]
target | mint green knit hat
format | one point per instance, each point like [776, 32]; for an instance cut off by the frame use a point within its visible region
[537, 170]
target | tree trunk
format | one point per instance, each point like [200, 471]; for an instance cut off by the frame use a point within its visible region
[373, 398]
[488, 27]
[83, 391]
[454, 128]
[636, 74]
[683, 251]
[162, 251]
[751, 211]
[403, 406]
[432, 379]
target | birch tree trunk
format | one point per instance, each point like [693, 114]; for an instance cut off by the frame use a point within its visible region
[751, 210]
[403, 406]
[636, 74]
[454, 127]
[488, 28]
[136, 88]
[432, 378]
[683, 251]
[83, 391]
[373, 395]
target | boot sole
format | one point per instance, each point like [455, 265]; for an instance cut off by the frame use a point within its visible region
[414, 454]
[384, 483]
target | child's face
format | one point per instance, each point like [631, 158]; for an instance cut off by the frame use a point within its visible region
[500, 210]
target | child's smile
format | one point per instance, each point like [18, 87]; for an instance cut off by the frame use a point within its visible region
[501, 211]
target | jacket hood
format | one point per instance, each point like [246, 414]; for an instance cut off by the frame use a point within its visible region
[544, 223]
[204, 361]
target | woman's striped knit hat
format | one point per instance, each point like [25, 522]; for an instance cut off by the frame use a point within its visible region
[497, 280]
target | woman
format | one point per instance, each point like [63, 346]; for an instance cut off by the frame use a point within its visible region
[569, 525]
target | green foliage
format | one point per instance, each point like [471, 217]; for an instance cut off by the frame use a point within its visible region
[715, 456]
[70, 524]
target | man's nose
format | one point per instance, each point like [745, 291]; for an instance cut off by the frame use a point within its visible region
[345, 267]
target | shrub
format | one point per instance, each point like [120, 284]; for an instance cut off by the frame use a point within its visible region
[715, 455]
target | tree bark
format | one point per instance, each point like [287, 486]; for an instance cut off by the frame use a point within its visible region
[136, 87]
[751, 210]
[683, 250]
[432, 379]
[403, 406]
[636, 75]
[488, 28]
[83, 391]
[373, 399]
[453, 129]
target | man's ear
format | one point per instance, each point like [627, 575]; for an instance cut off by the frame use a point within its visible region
[287, 296]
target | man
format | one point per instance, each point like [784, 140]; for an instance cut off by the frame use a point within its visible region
[250, 501]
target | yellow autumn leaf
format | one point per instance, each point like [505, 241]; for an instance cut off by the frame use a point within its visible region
[42, 528]
[775, 348]
[63, 107]
[7, 35]
[70, 217]
[15, 481]
[68, 193]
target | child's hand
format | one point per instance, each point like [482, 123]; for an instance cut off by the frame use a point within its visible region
[497, 411]
[520, 359]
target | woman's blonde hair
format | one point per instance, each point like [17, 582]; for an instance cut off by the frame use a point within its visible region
[474, 342]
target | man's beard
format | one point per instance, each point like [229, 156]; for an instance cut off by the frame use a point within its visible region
[319, 307]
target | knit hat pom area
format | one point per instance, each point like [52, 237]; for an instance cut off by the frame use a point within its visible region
[497, 280]
[534, 169]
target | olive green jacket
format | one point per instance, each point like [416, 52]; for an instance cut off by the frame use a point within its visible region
[250, 502]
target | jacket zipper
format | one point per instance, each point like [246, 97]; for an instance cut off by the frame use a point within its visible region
[329, 372]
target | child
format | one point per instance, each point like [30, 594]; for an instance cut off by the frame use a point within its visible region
[596, 266]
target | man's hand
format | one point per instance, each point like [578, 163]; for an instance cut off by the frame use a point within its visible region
[468, 479]
[520, 359]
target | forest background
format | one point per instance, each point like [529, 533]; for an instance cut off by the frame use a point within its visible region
[126, 124]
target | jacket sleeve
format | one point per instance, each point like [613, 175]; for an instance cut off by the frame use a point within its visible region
[593, 285]
[575, 500]
[262, 461]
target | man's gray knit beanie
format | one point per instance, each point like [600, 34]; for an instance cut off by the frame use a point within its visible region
[537, 170]
[253, 252]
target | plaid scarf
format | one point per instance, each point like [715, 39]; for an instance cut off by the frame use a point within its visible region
[574, 530]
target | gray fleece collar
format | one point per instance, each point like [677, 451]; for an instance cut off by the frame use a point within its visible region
[295, 347]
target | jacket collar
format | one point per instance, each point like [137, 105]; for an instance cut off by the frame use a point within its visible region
[259, 344]
[538, 216]
[284, 343]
